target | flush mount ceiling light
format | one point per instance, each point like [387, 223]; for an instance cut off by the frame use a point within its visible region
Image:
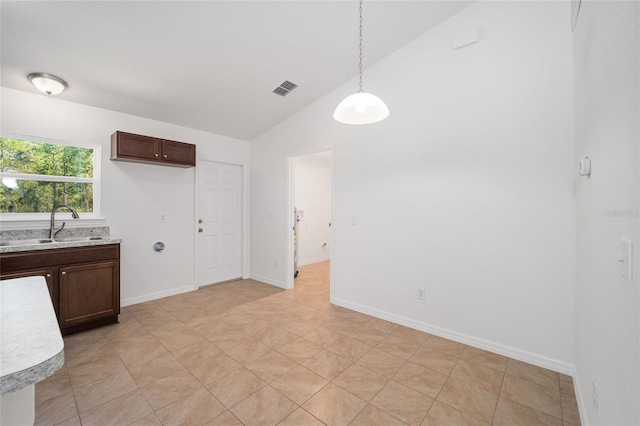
[47, 83]
[361, 107]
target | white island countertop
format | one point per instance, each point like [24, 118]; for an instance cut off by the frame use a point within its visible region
[31, 346]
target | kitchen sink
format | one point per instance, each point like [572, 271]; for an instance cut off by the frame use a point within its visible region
[71, 239]
[25, 242]
[7, 243]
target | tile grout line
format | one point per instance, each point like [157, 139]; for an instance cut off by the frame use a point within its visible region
[495, 410]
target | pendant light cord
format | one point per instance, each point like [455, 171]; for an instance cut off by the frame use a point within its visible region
[360, 47]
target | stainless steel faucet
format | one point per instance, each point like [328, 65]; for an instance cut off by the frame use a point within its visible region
[52, 230]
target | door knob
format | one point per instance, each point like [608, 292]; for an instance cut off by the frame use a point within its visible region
[199, 220]
[199, 229]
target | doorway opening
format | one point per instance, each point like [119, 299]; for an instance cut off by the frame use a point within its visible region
[310, 200]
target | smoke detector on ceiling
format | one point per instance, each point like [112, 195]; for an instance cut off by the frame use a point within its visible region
[285, 88]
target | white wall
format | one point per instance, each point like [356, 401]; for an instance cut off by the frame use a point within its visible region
[312, 189]
[133, 195]
[467, 189]
[607, 109]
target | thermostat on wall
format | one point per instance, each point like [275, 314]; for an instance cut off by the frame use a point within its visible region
[585, 167]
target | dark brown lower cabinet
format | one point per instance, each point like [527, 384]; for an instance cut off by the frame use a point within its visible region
[46, 273]
[87, 293]
[84, 282]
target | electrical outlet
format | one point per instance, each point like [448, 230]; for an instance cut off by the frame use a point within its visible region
[594, 391]
[163, 218]
[420, 293]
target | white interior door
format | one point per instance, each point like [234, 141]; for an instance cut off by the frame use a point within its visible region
[220, 222]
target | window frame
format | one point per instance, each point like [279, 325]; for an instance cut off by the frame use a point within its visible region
[14, 218]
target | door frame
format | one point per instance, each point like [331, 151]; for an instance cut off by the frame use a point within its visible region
[290, 205]
[244, 220]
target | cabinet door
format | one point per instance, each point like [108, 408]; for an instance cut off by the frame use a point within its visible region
[130, 146]
[88, 292]
[48, 276]
[178, 152]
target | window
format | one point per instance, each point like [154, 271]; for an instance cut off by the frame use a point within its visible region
[35, 176]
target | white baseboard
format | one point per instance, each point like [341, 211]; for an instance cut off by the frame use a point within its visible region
[582, 408]
[508, 351]
[187, 289]
[310, 261]
[155, 296]
[267, 280]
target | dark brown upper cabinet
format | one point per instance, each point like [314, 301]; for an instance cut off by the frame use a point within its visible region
[146, 149]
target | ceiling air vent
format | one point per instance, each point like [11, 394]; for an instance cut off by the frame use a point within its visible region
[285, 88]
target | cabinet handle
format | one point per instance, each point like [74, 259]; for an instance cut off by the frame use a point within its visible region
[165, 156]
[48, 275]
[64, 273]
[155, 155]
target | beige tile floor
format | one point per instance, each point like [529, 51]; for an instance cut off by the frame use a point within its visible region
[248, 353]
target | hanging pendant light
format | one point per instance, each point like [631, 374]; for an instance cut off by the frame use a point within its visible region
[361, 107]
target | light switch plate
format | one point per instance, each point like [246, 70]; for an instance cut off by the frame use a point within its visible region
[585, 167]
[626, 259]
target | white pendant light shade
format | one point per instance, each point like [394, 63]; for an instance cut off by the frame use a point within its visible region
[361, 108]
[47, 83]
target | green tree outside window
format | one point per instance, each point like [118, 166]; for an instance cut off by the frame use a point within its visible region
[36, 176]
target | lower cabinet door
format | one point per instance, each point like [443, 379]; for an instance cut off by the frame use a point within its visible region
[88, 292]
[46, 273]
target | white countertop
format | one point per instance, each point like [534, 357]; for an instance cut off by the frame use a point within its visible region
[31, 346]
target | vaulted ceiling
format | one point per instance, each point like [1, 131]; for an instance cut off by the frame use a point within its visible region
[208, 65]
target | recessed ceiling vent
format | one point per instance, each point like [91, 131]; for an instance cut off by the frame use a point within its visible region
[285, 88]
